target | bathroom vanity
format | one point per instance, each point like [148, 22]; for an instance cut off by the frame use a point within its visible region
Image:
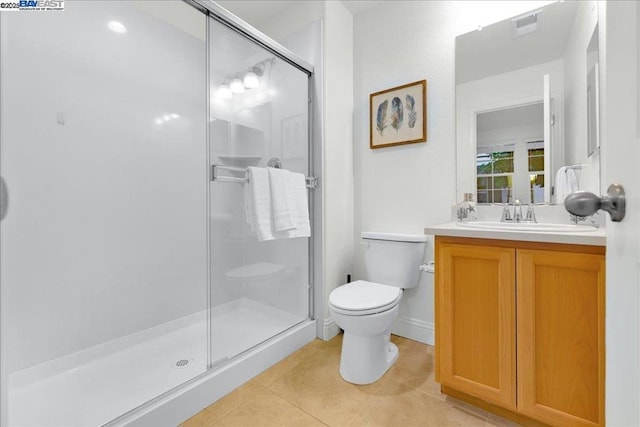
[520, 322]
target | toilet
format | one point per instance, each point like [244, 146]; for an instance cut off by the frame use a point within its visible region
[366, 309]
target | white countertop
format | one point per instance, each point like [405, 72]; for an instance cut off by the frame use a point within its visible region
[595, 238]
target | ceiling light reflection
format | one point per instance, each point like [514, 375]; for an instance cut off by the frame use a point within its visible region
[236, 86]
[117, 27]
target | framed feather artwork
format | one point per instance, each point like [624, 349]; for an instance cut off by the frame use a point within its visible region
[398, 116]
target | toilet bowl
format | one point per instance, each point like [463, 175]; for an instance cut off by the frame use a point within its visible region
[365, 310]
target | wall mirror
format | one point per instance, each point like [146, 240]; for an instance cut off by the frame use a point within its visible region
[527, 106]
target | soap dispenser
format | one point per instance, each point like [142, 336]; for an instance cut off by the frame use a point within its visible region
[466, 210]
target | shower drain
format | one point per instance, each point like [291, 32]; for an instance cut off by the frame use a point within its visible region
[183, 362]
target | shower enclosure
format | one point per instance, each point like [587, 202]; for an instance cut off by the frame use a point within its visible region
[127, 268]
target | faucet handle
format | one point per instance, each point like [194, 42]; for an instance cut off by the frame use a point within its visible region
[506, 214]
[531, 214]
[517, 211]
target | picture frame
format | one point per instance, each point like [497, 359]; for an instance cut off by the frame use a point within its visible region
[398, 116]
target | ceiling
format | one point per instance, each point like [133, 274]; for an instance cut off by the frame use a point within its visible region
[357, 6]
[255, 11]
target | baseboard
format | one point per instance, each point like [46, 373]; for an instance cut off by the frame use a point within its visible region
[330, 330]
[414, 329]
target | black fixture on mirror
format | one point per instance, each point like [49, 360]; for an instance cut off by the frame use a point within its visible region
[583, 203]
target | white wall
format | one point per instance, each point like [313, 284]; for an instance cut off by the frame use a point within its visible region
[338, 151]
[402, 189]
[405, 188]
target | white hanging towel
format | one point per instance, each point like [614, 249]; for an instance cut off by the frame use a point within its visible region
[566, 183]
[258, 203]
[303, 226]
[259, 210]
[283, 200]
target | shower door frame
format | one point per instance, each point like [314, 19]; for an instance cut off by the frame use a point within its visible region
[213, 10]
[226, 18]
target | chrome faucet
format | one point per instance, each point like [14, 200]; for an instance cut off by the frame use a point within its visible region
[531, 215]
[506, 215]
[517, 213]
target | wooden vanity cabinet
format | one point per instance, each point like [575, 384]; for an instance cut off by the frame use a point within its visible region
[520, 326]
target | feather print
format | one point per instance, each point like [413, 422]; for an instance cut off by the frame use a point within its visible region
[381, 118]
[411, 103]
[396, 113]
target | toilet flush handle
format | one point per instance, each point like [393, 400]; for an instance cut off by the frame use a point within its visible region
[365, 245]
[429, 267]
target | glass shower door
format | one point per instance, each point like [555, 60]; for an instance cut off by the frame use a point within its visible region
[104, 243]
[258, 117]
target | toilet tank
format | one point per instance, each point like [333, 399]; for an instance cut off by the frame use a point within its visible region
[394, 259]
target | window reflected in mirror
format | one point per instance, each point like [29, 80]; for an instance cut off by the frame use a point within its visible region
[510, 155]
[495, 175]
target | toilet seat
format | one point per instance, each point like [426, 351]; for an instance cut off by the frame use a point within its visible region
[361, 298]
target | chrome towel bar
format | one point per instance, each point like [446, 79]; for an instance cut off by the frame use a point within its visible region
[312, 181]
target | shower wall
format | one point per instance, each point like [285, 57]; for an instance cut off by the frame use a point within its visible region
[104, 154]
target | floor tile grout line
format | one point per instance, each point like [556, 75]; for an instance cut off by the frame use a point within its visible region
[267, 387]
[296, 405]
[304, 410]
[246, 402]
[364, 405]
[319, 349]
[484, 415]
[226, 413]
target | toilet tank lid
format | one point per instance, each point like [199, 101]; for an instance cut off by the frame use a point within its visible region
[394, 237]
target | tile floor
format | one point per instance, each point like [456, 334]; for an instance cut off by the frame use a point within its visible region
[306, 389]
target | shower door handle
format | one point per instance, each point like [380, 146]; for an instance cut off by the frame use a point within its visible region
[4, 198]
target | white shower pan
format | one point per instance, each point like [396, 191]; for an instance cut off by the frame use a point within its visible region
[112, 379]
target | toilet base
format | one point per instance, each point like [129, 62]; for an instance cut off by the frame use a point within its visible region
[365, 359]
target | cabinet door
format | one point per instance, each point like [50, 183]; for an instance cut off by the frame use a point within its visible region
[475, 327]
[561, 337]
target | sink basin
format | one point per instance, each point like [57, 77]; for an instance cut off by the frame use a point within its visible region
[527, 226]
